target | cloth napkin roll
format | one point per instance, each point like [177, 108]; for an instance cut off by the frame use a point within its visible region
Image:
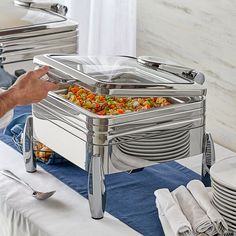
[200, 194]
[196, 216]
[168, 207]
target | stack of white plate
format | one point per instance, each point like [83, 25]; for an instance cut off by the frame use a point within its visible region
[156, 147]
[223, 176]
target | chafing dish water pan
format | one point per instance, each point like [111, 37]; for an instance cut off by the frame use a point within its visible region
[104, 144]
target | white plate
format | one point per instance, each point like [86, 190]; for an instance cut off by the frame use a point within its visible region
[224, 189]
[155, 149]
[154, 134]
[224, 198]
[158, 158]
[132, 160]
[231, 212]
[183, 153]
[230, 222]
[149, 143]
[220, 192]
[228, 208]
[155, 146]
[167, 136]
[223, 186]
[157, 152]
[164, 139]
[230, 204]
[163, 154]
[224, 172]
[155, 139]
[231, 227]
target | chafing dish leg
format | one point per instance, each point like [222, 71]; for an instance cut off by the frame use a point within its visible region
[28, 154]
[208, 158]
[96, 187]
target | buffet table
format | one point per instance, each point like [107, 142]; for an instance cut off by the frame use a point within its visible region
[67, 213]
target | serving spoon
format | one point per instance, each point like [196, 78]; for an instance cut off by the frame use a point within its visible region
[36, 194]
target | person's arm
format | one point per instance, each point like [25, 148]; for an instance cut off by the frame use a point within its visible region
[6, 102]
[29, 88]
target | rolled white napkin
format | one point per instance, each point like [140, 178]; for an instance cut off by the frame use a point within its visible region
[210, 193]
[195, 215]
[200, 193]
[169, 208]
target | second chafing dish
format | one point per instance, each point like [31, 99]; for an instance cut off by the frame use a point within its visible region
[29, 28]
[107, 144]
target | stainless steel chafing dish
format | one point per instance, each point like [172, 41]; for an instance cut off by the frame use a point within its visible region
[107, 144]
[28, 29]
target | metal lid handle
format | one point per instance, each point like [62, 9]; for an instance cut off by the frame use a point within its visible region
[181, 71]
[55, 7]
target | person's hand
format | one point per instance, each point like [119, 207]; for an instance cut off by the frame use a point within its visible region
[29, 88]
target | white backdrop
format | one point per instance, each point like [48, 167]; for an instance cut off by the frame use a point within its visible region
[106, 27]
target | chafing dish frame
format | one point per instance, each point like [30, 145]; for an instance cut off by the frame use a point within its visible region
[97, 135]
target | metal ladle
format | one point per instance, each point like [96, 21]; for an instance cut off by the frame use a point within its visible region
[35, 194]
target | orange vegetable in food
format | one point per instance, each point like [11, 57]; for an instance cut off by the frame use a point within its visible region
[91, 96]
[74, 89]
[103, 112]
[120, 111]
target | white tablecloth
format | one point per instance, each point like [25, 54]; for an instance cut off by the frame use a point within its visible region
[66, 213]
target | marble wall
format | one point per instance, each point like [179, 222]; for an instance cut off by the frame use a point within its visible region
[199, 34]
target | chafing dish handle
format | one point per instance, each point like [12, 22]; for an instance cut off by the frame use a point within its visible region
[28, 153]
[96, 187]
[55, 7]
[181, 71]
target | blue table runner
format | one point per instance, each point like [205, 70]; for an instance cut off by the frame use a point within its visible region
[130, 197]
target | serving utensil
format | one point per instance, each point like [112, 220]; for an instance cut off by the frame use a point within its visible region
[36, 194]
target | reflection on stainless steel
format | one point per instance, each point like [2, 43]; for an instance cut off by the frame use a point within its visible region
[29, 158]
[96, 187]
[208, 155]
[107, 144]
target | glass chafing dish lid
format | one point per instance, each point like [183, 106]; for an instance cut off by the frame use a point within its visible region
[120, 76]
[15, 19]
